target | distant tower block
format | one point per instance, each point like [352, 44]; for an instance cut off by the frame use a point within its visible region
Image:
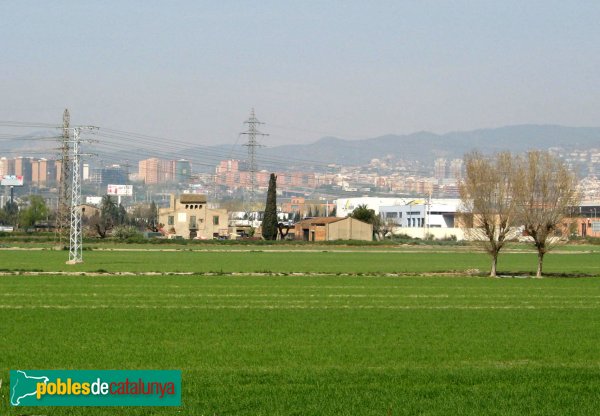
[439, 169]
[456, 169]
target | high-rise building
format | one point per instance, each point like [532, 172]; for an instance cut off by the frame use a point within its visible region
[86, 172]
[154, 170]
[228, 166]
[58, 167]
[439, 169]
[22, 167]
[148, 170]
[3, 166]
[114, 174]
[35, 172]
[183, 170]
[456, 169]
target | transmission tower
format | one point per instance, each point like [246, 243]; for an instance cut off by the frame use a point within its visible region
[75, 235]
[252, 145]
[64, 194]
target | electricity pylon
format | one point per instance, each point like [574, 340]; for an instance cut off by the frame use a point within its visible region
[76, 234]
[64, 194]
[252, 145]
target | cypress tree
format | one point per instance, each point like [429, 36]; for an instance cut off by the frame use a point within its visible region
[153, 217]
[269, 223]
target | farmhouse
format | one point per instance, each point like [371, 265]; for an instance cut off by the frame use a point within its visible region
[332, 228]
[88, 211]
[189, 216]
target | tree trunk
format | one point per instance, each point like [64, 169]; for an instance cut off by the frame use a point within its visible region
[540, 262]
[494, 265]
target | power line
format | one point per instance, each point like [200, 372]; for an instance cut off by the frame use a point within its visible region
[120, 138]
[118, 143]
[27, 124]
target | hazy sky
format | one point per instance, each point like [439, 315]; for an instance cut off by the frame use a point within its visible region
[192, 70]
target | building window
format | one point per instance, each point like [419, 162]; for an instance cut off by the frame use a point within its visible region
[193, 221]
[215, 220]
[187, 206]
[171, 220]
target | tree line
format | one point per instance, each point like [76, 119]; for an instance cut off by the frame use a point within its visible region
[111, 217]
[32, 209]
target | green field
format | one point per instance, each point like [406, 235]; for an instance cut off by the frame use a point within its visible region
[583, 262]
[350, 341]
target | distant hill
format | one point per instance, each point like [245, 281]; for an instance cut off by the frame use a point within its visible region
[425, 146]
[420, 146]
[36, 144]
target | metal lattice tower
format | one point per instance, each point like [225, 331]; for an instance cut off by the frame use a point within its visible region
[75, 235]
[64, 194]
[252, 145]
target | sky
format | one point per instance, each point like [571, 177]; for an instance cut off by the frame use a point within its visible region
[193, 70]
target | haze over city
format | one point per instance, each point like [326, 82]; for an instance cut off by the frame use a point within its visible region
[193, 70]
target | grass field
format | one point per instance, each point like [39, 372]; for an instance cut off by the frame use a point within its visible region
[351, 261]
[314, 345]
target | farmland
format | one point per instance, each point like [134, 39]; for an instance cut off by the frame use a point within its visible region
[583, 261]
[259, 332]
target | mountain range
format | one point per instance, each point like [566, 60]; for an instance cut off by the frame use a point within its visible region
[421, 146]
[425, 146]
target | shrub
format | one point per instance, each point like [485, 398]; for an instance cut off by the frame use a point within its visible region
[125, 232]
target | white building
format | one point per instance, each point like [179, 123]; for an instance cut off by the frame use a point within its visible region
[421, 214]
[424, 219]
[345, 206]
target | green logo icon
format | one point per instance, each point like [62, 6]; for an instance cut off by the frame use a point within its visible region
[22, 386]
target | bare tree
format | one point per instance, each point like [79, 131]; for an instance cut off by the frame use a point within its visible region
[109, 216]
[488, 207]
[545, 190]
